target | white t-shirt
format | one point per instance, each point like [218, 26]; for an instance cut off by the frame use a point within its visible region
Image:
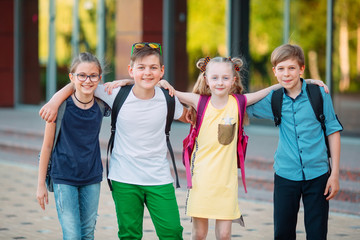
[139, 153]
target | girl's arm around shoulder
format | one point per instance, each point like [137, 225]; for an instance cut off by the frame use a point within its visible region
[49, 111]
[190, 99]
[257, 96]
[46, 149]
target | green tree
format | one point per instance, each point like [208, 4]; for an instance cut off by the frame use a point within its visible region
[205, 31]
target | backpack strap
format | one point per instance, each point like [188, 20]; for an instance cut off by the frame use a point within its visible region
[276, 105]
[170, 102]
[201, 108]
[104, 108]
[118, 102]
[60, 115]
[59, 118]
[317, 104]
[242, 137]
[189, 141]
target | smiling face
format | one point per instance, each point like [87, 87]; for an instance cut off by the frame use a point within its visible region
[146, 72]
[86, 87]
[220, 78]
[288, 74]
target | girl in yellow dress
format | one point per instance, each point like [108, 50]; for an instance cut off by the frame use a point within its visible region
[214, 192]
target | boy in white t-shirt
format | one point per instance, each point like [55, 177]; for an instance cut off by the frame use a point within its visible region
[139, 170]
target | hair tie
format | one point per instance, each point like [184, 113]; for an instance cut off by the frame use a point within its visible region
[203, 67]
[236, 67]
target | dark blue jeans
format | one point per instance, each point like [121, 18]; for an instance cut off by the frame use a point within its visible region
[287, 196]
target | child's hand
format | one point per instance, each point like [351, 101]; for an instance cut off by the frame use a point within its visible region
[165, 84]
[48, 112]
[188, 117]
[109, 86]
[320, 83]
[332, 187]
[42, 196]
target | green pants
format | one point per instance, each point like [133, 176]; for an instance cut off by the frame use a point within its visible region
[161, 202]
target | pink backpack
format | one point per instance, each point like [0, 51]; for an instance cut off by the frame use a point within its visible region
[189, 141]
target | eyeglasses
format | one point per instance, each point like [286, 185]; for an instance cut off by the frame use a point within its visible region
[82, 77]
[138, 46]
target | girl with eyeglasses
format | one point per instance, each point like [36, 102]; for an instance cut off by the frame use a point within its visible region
[76, 167]
[138, 168]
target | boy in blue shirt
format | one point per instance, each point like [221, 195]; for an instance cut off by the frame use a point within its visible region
[301, 160]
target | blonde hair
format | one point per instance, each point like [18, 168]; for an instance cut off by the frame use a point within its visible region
[201, 86]
[286, 52]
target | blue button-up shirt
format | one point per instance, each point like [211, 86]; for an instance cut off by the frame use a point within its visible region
[301, 152]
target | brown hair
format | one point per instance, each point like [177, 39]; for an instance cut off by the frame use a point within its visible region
[84, 57]
[201, 86]
[286, 52]
[144, 52]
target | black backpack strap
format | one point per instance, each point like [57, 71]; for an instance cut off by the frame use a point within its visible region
[276, 105]
[317, 104]
[170, 102]
[118, 102]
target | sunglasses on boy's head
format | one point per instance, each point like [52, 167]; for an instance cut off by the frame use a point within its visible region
[138, 46]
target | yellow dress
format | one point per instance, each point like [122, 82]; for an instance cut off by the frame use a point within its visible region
[214, 193]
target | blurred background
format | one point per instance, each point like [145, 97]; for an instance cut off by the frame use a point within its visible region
[38, 39]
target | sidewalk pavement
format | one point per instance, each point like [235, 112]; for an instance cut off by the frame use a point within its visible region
[22, 218]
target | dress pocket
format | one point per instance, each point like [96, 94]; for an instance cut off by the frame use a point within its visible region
[226, 133]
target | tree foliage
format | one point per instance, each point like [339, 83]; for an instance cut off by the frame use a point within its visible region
[206, 31]
[307, 29]
[87, 27]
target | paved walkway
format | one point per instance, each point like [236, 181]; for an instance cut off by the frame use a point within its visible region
[22, 218]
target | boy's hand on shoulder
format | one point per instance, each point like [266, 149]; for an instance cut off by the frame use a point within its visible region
[166, 85]
[332, 187]
[109, 86]
[48, 112]
[318, 82]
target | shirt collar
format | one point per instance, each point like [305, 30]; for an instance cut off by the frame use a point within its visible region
[303, 88]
